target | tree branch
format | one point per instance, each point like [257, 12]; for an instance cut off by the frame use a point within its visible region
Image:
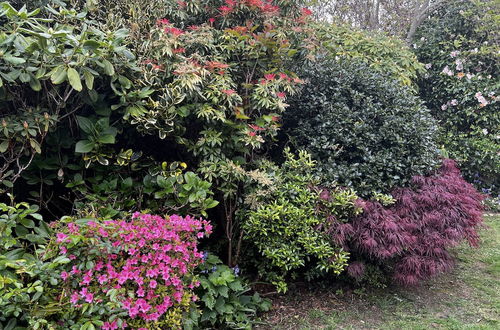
[420, 17]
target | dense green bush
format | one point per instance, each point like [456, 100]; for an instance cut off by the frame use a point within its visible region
[28, 284]
[50, 70]
[367, 131]
[459, 45]
[288, 221]
[380, 52]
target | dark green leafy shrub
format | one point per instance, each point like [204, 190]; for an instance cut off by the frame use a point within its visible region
[459, 45]
[289, 219]
[366, 130]
[165, 188]
[224, 299]
[50, 70]
[28, 285]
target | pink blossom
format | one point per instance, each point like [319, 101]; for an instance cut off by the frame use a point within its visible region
[74, 298]
[149, 247]
[61, 237]
[447, 71]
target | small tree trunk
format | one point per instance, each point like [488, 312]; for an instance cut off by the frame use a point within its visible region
[374, 15]
[421, 14]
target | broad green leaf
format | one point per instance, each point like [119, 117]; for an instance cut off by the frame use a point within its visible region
[28, 223]
[85, 124]
[24, 77]
[89, 79]
[106, 139]
[84, 146]
[74, 79]
[35, 84]
[108, 68]
[13, 59]
[4, 146]
[91, 44]
[59, 75]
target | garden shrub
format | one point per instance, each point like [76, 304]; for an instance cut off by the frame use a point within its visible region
[366, 130]
[385, 54]
[289, 220]
[412, 238]
[224, 302]
[459, 45]
[136, 272]
[27, 283]
[220, 75]
[166, 189]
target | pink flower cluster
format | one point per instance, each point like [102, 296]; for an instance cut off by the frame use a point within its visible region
[148, 260]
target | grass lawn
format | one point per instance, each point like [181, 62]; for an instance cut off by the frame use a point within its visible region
[467, 298]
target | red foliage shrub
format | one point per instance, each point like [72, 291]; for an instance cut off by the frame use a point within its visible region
[413, 236]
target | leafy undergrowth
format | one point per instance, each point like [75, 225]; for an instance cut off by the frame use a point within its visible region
[466, 298]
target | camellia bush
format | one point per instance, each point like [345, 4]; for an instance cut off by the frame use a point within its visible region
[137, 272]
[457, 45]
[366, 130]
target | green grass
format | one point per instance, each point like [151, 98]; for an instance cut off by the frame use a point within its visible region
[467, 298]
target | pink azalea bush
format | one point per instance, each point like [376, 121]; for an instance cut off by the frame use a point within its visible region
[134, 273]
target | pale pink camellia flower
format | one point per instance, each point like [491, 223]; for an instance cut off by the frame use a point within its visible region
[428, 66]
[459, 64]
[447, 71]
[469, 76]
[444, 107]
[454, 53]
[454, 102]
[481, 99]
